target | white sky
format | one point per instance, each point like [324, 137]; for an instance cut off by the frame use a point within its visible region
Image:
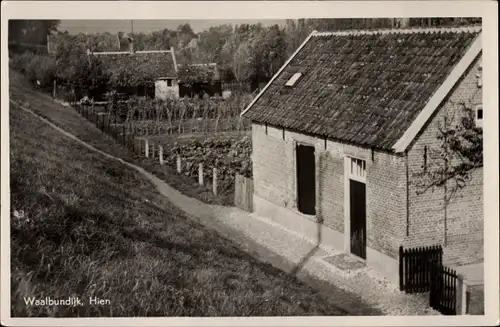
[114, 26]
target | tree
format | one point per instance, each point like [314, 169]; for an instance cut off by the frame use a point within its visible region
[269, 53]
[212, 41]
[242, 63]
[460, 153]
[31, 31]
[185, 34]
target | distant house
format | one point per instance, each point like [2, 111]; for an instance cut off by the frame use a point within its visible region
[159, 74]
[339, 131]
[154, 73]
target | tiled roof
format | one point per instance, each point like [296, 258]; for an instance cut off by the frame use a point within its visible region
[364, 88]
[147, 64]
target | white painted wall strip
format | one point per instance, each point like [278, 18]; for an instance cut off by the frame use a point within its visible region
[435, 101]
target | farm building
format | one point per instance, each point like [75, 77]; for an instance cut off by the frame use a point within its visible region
[156, 74]
[144, 73]
[343, 131]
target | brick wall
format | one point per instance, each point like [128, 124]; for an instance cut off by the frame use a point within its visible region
[461, 221]
[389, 215]
[275, 180]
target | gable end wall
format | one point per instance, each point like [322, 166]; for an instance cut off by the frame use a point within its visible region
[463, 225]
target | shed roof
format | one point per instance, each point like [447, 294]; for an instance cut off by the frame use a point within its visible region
[361, 87]
[149, 65]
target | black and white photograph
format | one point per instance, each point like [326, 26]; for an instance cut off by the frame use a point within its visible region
[301, 166]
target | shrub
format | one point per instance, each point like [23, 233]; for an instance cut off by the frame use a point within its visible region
[36, 68]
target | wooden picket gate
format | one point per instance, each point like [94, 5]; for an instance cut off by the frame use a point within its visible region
[443, 291]
[243, 193]
[421, 270]
[416, 266]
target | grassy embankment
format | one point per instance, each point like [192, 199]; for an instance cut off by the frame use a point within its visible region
[92, 227]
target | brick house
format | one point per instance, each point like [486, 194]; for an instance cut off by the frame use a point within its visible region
[341, 130]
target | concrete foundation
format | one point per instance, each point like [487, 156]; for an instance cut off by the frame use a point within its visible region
[326, 237]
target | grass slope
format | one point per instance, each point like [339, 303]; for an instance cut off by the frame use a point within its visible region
[93, 227]
[68, 119]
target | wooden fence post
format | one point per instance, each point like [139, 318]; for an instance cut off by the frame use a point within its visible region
[54, 92]
[200, 174]
[179, 167]
[146, 148]
[160, 154]
[401, 259]
[214, 182]
[152, 150]
[123, 132]
[461, 294]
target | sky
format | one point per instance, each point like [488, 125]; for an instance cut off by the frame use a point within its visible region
[114, 26]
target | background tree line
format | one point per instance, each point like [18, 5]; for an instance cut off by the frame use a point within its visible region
[249, 53]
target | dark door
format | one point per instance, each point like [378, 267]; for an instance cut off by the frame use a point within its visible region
[306, 179]
[358, 218]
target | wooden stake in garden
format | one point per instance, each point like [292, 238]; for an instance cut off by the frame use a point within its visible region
[179, 169]
[54, 92]
[214, 182]
[200, 174]
[146, 148]
[160, 154]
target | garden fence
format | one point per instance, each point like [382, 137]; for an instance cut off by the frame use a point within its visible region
[421, 270]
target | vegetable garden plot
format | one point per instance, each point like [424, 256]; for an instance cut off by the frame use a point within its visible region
[230, 154]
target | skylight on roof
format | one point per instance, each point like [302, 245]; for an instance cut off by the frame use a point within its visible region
[293, 79]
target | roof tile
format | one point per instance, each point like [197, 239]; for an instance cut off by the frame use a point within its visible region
[364, 88]
[150, 65]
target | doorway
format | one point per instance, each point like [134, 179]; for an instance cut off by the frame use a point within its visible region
[357, 196]
[306, 179]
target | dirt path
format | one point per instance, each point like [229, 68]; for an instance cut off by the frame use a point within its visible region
[284, 250]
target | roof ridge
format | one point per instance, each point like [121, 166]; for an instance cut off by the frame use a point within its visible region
[127, 52]
[458, 29]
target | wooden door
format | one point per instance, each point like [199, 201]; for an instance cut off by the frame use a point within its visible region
[357, 201]
[306, 179]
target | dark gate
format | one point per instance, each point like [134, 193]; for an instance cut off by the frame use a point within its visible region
[306, 179]
[416, 266]
[357, 201]
[443, 290]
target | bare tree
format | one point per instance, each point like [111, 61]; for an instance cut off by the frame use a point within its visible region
[460, 153]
